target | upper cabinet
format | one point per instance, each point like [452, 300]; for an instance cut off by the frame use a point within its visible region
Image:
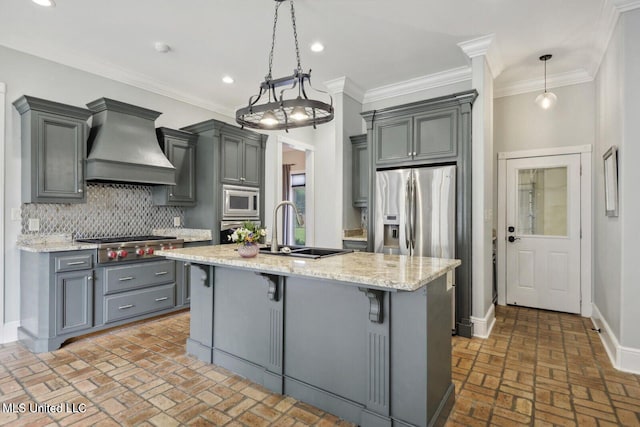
[180, 149]
[360, 170]
[416, 138]
[54, 150]
[241, 157]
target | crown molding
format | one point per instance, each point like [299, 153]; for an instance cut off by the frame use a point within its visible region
[113, 72]
[347, 86]
[431, 81]
[555, 80]
[486, 46]
[626, 5]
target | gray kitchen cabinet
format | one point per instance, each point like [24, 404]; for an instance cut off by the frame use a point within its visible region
[54, 138]
[74, 301]
[180, 149]
[360, 170]
[183, 277]
[393, 140]
[241, 156]
[430, 133]
[226, 154]
[435, 135]
[64, 295]
[417, 138]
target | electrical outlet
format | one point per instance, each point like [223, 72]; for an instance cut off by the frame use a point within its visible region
[34, 224]
[176, 221]
[15, 214]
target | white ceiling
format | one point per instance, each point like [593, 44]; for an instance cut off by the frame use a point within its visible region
[373, 42]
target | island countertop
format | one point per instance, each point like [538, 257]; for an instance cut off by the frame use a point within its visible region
[382, 271]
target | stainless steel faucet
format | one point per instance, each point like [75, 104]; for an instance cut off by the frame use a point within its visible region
[274, 228]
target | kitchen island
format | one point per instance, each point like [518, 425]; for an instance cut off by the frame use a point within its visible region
[364, 336]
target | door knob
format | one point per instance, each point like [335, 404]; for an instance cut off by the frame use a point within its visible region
[512, 239]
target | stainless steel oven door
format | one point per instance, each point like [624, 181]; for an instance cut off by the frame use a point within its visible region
[240, 202]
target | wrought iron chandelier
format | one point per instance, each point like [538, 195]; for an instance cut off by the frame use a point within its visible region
[278, 112]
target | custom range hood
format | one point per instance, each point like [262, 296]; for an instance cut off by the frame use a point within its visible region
[123, 146]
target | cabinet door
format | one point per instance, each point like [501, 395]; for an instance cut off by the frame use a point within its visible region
[231, 159]
[60, 144]
[360, 172]
[436, 134]
[182, 156]
[251, 163]
[393, 141]
[74, 301]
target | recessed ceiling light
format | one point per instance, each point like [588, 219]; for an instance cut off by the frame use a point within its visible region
[317, 47]
[162, 47]
[227, 79]
[45, 3]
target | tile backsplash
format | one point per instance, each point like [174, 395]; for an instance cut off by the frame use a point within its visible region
[110, 210]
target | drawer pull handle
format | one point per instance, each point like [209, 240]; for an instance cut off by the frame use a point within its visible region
[124, 279]
[76, 262]
[124, 307]
[161, 273]
[162, 299]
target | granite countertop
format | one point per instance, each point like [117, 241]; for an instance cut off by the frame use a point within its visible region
[356, 234]
[186, 234]
[51, 243]
[65, 241]
[372, 270]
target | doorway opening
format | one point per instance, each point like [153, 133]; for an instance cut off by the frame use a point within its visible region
[296, 186]
[544, 229]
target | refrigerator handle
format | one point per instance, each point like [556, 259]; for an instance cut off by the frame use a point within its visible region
[413, 212]
[407, 209]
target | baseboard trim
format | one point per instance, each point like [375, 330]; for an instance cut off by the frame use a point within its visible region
[482, 326]
[9, 332]
[625, 359]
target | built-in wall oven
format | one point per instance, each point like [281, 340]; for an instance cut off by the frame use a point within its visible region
[240, 203]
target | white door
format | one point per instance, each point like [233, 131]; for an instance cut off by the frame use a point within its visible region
[543, 232]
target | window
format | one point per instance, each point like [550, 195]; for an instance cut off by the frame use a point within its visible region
[298, 195]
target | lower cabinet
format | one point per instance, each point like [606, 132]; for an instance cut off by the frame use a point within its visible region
[64, 294]
[74, 301]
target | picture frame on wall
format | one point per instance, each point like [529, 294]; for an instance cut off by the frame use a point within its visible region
[611, 181]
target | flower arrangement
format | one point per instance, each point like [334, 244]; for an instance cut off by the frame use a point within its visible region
[249, 233]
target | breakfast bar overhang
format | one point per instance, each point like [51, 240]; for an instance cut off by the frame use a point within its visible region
[364, 336]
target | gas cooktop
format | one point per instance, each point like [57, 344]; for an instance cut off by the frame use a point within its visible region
[123, 239]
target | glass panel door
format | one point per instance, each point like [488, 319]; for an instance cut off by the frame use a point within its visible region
[542, 201]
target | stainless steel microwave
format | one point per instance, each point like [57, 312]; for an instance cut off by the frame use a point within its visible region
[240, 202]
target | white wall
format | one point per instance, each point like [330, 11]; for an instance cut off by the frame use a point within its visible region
[616, 265]
[607, 230]
[29, 75]
[629, 178]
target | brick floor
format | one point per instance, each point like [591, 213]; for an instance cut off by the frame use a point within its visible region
[537, 368]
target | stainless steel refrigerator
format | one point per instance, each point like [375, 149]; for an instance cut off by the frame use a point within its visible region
[416, 213]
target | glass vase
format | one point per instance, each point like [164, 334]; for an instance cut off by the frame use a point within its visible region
[248, 250]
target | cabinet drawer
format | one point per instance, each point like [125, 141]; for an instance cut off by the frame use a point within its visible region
[135, 303]
[358, 245]
[71, 262]
[118, 279]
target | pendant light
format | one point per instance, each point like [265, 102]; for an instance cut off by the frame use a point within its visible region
[546, 99]
[277, 111]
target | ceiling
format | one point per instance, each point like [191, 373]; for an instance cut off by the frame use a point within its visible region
[374, 43]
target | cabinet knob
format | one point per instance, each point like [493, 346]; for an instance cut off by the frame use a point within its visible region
[79, 190]
[90, 278]
[242, 179]
[170, 194]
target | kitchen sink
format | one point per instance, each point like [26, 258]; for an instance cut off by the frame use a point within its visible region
[304, 252]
